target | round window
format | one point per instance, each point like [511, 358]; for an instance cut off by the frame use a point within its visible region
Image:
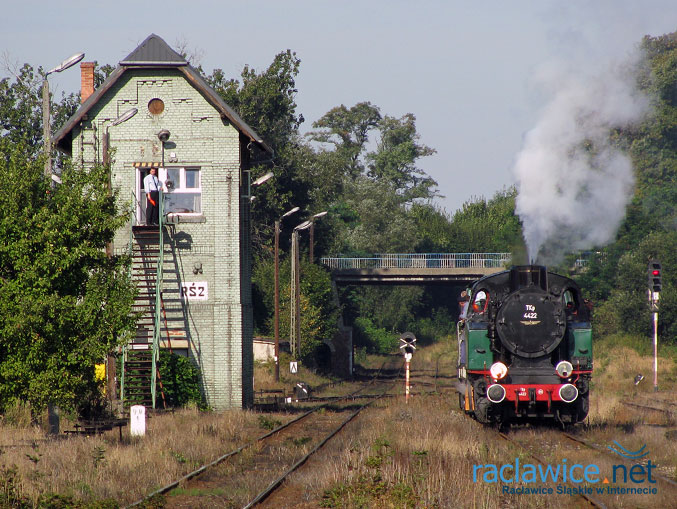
[156, 106]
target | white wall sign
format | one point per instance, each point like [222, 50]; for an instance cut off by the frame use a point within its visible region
[195, 290]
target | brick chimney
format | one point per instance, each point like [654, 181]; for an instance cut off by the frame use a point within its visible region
[86, 80]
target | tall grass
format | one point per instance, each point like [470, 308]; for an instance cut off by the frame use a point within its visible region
[416, 454]
[101, 467]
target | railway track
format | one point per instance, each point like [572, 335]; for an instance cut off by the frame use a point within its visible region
[286, 493]
[606, 451]
[589, 499]
[653, 416]
[278, 482]
[252, 465]
[615, 481]
[648, 407]
[551, 447]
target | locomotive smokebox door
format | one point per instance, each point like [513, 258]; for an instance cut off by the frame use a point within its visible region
[531, 323]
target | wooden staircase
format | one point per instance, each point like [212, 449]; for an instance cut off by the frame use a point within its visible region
[138, 357]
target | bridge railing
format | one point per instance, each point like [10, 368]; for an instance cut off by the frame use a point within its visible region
[419, 260]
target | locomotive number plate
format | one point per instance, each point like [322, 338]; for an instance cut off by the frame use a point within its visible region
[530, 312]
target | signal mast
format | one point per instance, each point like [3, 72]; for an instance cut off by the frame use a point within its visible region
[654, 293]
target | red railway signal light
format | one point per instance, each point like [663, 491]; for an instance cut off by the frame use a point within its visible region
[654, 273]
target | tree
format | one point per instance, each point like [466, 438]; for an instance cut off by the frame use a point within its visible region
[319, 314]
[21, 107]
[378, 221]
[615, 277]
[266, 101]
[396, 156]
[347, 129]
[63, 304]
[397, 148]
[433, 228]
[487, 225]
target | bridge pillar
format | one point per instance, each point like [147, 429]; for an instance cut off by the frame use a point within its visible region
[341, 344]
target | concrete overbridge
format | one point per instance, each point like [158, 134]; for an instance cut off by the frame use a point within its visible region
[415, 269]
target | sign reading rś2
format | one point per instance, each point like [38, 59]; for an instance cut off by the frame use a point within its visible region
[194, 290]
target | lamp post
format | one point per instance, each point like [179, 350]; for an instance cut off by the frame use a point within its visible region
[262, 179]
[106, 157]
[312, 233]
[106, 138]
[295, 318]
[53, 412]
[110, 361]
[69, 62]
[163, 136]
[277, 291]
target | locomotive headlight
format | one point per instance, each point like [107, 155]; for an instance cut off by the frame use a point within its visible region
[498, 370]
[564, 369]
[568, 393]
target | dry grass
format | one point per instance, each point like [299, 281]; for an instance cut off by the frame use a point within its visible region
[102, 467]
[422, 454]
[419, 454]
[264, 378]
[613, 381]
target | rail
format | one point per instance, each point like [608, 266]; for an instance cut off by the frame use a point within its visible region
[133, 220]
[169, 487]
[420, 261]
[158, 298]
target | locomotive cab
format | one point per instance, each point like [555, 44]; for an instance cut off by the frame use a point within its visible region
[525, 348]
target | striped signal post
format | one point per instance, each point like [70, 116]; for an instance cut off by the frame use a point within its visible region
[655, 285]
[408, 346]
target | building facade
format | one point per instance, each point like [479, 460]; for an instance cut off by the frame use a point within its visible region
[203, 151]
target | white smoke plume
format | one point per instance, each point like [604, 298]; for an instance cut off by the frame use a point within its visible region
[573, 183]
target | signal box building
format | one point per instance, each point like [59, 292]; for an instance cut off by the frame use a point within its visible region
[193, 273]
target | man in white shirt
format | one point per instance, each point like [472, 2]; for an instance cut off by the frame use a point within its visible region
[151, 184]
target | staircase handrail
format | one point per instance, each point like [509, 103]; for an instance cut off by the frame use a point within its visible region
[158, 296]
[130, 251]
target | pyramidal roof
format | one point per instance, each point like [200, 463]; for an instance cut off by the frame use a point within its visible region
[154, 51]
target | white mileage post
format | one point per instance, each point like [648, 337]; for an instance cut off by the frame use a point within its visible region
[408, 346]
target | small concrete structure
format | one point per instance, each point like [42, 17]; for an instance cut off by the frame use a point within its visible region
[137, 421]
[264, 349]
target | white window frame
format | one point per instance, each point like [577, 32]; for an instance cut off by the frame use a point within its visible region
[180, 187]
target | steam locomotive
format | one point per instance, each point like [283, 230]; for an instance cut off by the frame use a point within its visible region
[525, 348]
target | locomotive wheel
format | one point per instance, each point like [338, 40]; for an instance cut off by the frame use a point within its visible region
[582, 408]
[482, 406]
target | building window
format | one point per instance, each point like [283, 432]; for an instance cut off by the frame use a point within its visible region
[184, 191]
[156, 106]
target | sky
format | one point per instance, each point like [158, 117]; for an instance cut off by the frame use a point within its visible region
[466, 70]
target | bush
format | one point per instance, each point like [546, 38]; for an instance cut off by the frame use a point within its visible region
[376, 340]
[429, 330]
[180, 380]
